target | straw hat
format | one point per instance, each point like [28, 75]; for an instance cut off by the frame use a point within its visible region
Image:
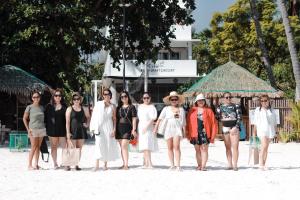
[199, 97]
[166, 99]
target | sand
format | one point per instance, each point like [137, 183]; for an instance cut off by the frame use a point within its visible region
[281, 181]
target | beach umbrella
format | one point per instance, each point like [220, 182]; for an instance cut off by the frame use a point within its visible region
[14, 80]
[232, 78]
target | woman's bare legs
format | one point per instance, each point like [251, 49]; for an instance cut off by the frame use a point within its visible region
[124, 152]
[176, 147]
[55, 142]
[227, 143]
[204, 156]
[198, 156]
[34, 143]
[263, 152]
[170, 152]
[235, 138]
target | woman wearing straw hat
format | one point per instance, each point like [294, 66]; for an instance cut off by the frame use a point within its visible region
[230, 115]
[202, 128]
[77, 120]
[174, 126]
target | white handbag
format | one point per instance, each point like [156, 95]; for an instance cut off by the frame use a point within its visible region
[162, 126]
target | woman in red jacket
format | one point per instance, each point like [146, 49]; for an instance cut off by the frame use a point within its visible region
[202, 128]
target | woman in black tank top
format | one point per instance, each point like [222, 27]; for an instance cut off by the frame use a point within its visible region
[77, 120]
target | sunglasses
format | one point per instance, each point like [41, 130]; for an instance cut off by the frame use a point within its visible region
[57, 95]
[174, 99]
[264, 101]
[106, 94]
[76, 99]
[146, 97]
[124, 96]
[227, 97]
[35, 97]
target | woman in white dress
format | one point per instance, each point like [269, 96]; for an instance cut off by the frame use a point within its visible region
[265, 127]
[103, 125]
[174, 126]
[147, 139]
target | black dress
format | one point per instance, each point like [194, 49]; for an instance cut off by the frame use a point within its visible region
[78, 131]
[55, 121]
[124, 122]
[202, 136]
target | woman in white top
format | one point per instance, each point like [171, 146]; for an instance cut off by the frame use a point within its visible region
[174, 129]
[103, 125]
[265, 127]
[147, 139]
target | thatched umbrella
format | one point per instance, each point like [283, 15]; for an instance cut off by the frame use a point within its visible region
[14, 80]
[232, 78]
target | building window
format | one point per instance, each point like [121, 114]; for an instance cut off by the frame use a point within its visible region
[175, 56]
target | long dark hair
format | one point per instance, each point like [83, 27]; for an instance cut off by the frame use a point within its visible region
[120, 103]
[62, 100]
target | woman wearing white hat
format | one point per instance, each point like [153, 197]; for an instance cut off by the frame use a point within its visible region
[174, 126]
[202, 128]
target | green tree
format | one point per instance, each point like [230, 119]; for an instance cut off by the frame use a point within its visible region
[48, 37]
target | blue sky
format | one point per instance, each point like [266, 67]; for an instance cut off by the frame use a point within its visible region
[205, 10]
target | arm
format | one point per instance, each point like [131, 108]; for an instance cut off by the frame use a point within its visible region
[88, 117]
[68, 128]
[161, 117]
[134, 117]
[238, 115]
[214, 126]
[114, 119]
[153, 116]
[26, 122]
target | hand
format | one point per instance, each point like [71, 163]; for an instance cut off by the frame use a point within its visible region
[30, 132]
[85, 125]
[113, 133]
[133, 132]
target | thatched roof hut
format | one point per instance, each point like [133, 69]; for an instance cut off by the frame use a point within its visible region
[14, 80]
[232, 78]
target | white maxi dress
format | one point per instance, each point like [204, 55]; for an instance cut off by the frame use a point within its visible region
[106, 146]
[147, 140]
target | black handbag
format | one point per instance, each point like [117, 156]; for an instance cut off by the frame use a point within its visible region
[44, 149]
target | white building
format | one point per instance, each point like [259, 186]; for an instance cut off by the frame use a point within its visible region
[170, 70]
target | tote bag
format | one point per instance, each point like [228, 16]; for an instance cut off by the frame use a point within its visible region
[70, 156]
[162, 126]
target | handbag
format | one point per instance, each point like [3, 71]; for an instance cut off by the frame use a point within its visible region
[162, 126]
[70, 156]
[254, 147]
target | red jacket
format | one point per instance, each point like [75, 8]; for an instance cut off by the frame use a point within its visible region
[209, 121]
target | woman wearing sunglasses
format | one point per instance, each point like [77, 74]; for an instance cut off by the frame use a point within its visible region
[103, 125]
[265, 127]
[174, 129]
[147, 140]
[230, 116]
[55, 118]
[77, 120]
[202, 128]
[33, 119]
[126, 125]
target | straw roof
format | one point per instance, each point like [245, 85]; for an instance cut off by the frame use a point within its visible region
[14, 80]
[232, 78]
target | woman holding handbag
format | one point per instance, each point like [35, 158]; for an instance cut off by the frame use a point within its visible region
[202, 128]
[77, 120]
[173, 116]
[55, 118]
[103, 125]
[265, 127]
[147, 139]
[33, 119]
[126, 125]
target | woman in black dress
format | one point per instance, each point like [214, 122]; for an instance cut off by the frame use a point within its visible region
[126, 125]
[77, 120]
[55, 118]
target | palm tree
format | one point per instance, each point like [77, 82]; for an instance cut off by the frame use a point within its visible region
[291, 45]
[261, 43]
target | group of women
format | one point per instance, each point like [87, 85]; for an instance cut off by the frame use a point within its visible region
[114, 127]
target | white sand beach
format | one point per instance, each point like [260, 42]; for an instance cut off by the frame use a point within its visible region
[281, 181]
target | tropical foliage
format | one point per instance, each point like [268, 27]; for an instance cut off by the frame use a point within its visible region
[232, 36]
